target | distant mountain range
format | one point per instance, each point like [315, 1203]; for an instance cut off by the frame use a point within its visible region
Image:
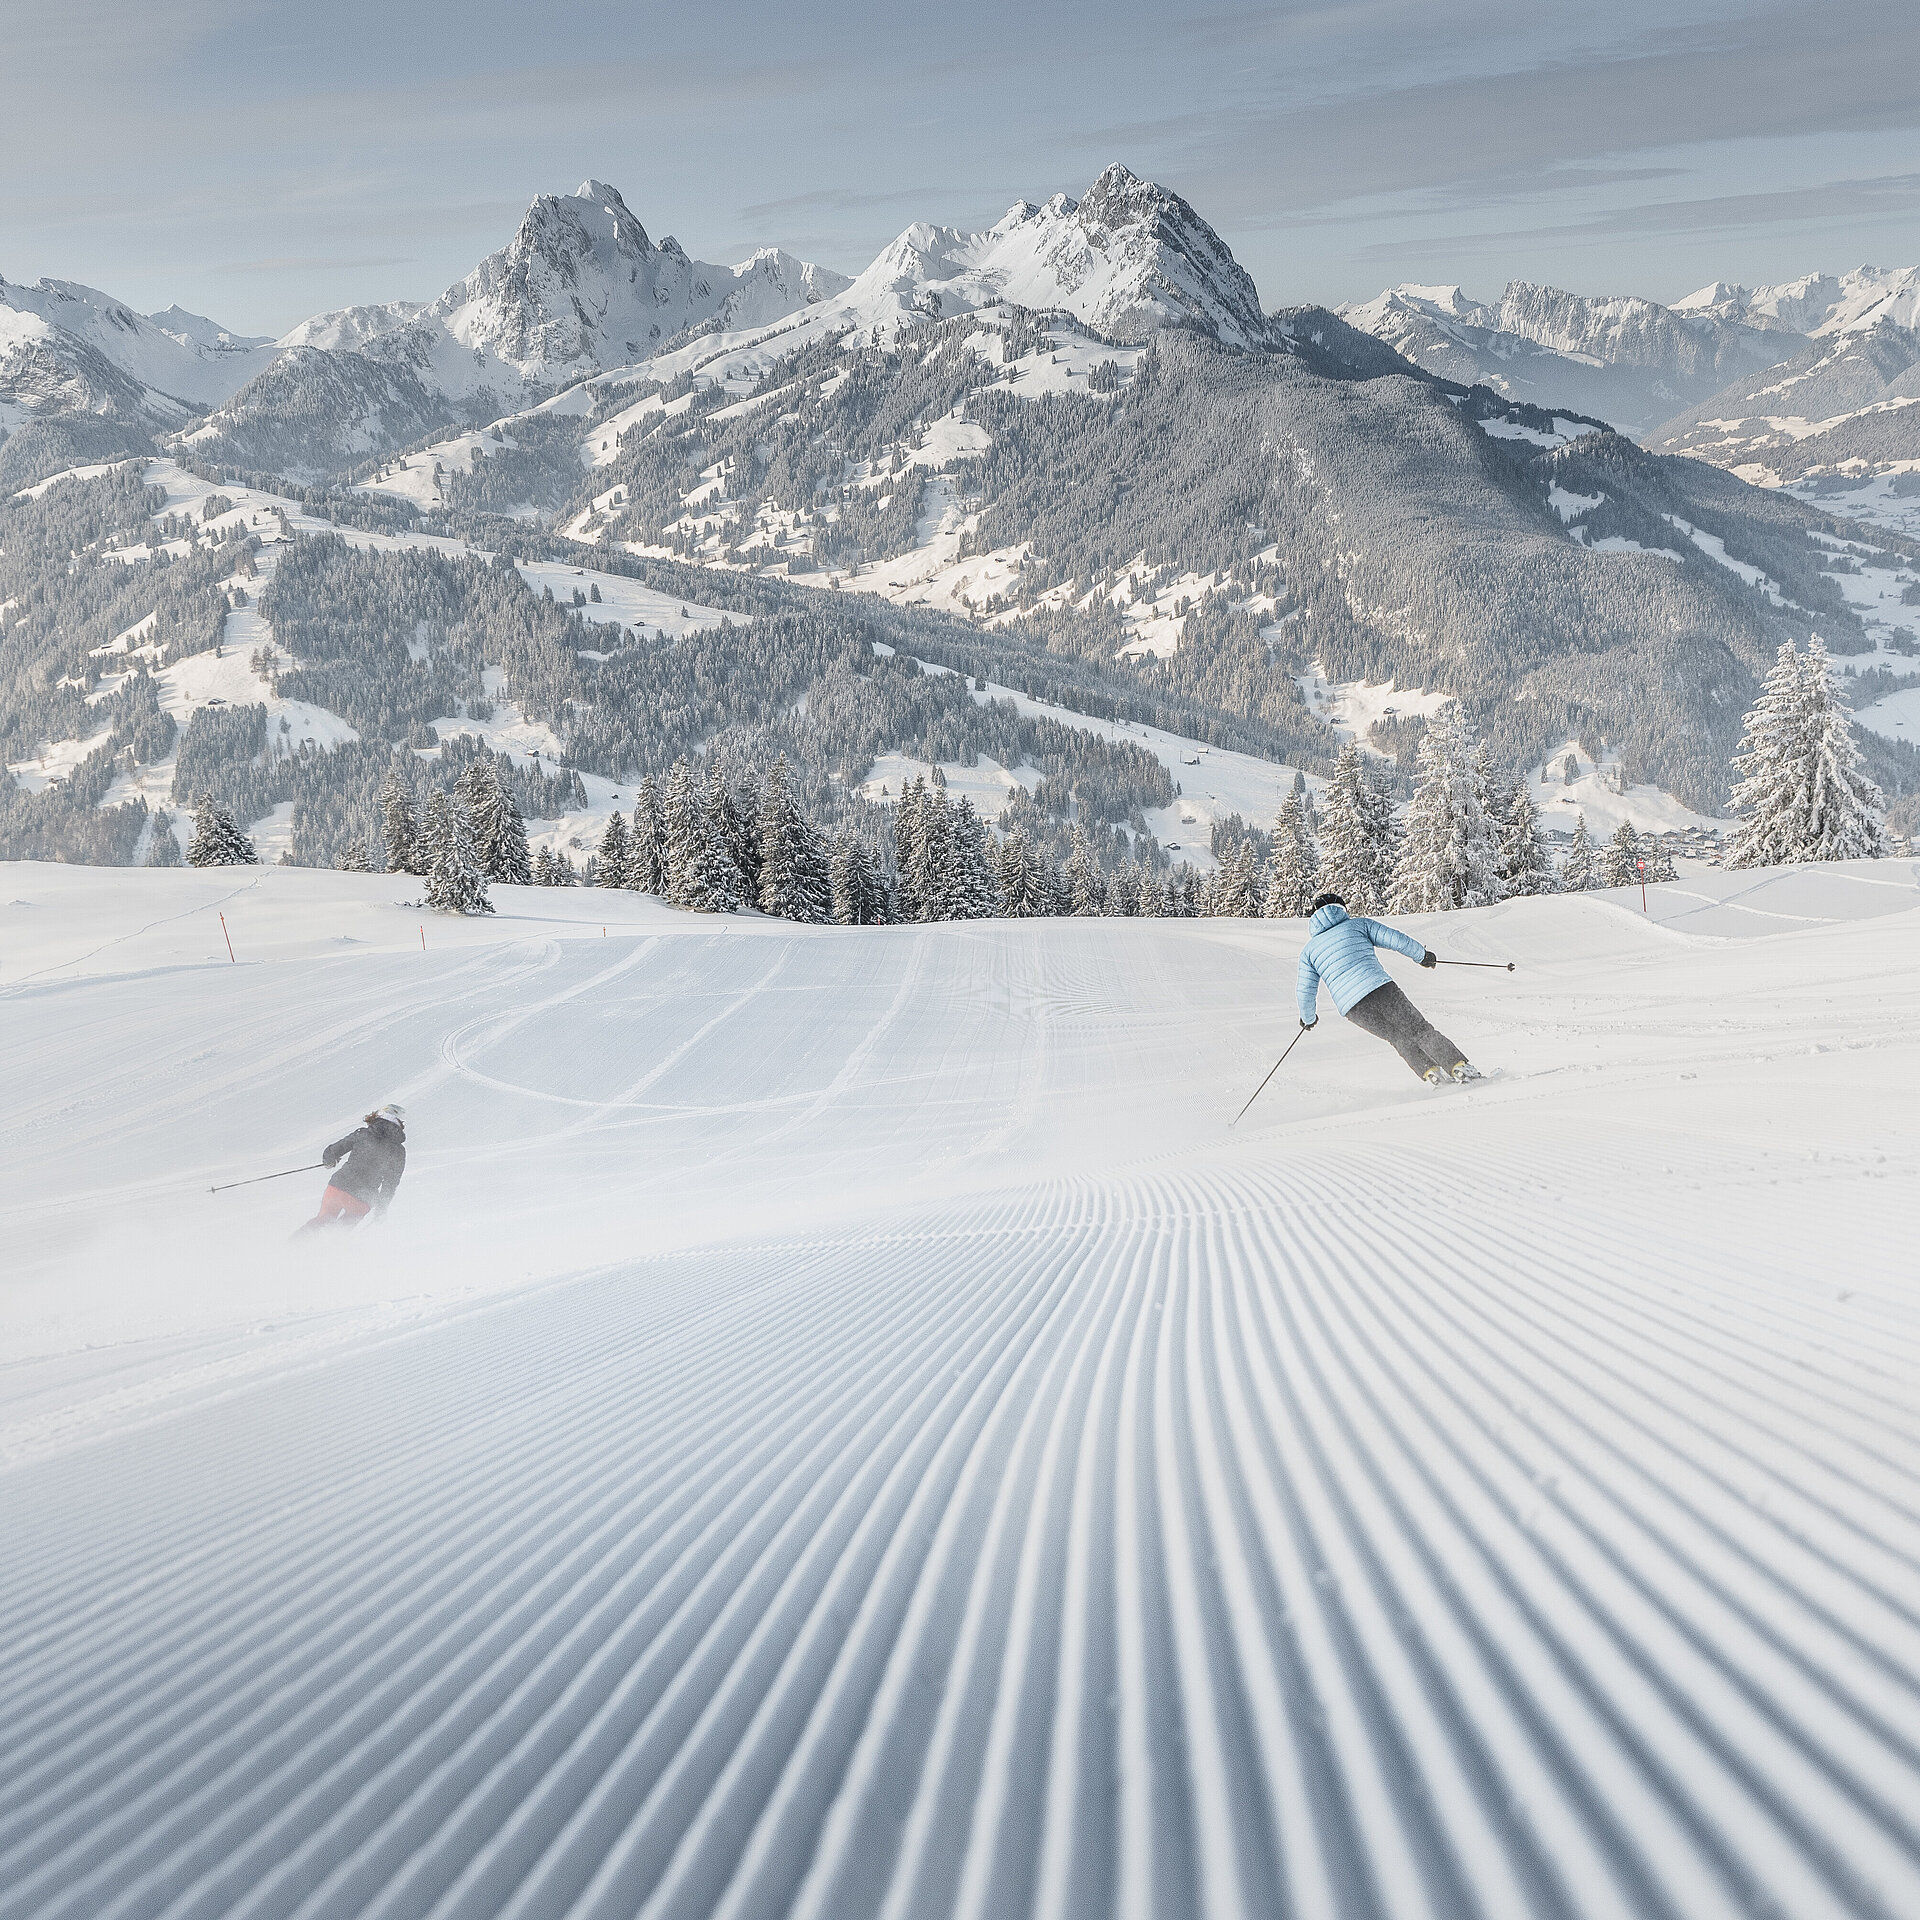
[1810, 383]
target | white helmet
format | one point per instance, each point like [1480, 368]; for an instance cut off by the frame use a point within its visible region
[393, 1110]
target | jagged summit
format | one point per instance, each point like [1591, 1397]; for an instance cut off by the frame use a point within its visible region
[1817, 303]
[1127, 257]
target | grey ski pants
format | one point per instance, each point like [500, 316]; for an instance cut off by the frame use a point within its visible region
[1389, 1015]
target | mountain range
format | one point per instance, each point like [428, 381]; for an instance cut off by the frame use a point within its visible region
[1075, 438]
[1808, 383]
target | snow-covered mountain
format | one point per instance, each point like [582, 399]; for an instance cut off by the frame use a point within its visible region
[176, 356]
[1845, 409]
[1127, 257]
[1631, 361]
[580, 289]
[85, 377]
[1816, 304]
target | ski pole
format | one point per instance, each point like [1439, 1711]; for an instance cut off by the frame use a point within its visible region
[1504, 965]
[258, 1177]
[1271, 1071]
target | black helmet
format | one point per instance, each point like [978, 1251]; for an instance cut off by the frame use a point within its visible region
[1326, 900]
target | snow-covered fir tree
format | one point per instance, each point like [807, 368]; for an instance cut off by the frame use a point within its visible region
[1237, 892]
[400, 824]
[1448, 854]
[859, 897]
[1524, 866]
[610, 866]
[647, 841]
[1293, 872]
[734, 808]
[164, 849]
[217, 840]
[1802, 794]
[923, 850]
[499, 833]
[1123, 892]
[456, 882]
[1621, 861]
[1086, 892]
[1020, 878]
[355, 860]
[701, 875]
[795, 874]
[971, 892]
[1353, 863]
[543, 868]
[1580, 870]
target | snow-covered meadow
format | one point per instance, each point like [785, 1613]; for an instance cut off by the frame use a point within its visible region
[837, 1424]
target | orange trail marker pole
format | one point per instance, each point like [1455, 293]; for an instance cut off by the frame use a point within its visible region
[223, 929]
[423, 939]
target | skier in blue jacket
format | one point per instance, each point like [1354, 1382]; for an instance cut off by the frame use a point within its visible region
[1340, 951]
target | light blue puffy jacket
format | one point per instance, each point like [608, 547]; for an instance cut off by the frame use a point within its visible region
[1340, 952]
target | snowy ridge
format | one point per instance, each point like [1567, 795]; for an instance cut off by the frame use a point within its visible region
[987, 1487]
[1817, 303]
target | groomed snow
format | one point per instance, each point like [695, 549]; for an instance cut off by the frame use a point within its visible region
[836, 1423]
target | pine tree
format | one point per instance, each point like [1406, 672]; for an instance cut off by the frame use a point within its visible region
[1524, 866]
[400, 825]
[1086, 893]
[1295, 866]
[1019, 879]
[1802, 792]
[499, 833]
[1448, 858]
[1622, 860]
[795, 877]
[971, 892]
[612, 851]
[1580, 871]
[355, 860]
[217, 840]
[1350, 853]
[1123, 892]
[734, 809]
[701, 876]
[1237, 892]
[647, 841]
[858, 897]
[543, 868]
[164, 850]
[455, 881]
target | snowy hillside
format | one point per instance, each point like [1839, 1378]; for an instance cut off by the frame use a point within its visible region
[836, 1424]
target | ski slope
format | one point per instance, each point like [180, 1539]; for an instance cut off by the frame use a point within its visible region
[836, 1424]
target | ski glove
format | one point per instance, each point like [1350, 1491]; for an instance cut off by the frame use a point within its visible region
[1429, 958]
[1307, 1026]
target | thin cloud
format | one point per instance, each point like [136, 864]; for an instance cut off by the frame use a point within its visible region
[1830, 202]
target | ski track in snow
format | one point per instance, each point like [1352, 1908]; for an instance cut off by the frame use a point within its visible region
[836, 1426]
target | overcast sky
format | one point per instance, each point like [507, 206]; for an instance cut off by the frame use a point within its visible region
[260, 160]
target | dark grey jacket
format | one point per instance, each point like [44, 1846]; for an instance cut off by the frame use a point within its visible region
[376, 1157]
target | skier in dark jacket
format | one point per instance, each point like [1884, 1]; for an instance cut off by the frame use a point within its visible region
[1339, 951]
[374, 1156]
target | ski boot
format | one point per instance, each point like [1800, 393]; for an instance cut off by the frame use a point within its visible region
[1465, 1070]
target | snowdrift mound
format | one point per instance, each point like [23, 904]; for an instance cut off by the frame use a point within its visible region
[836, 1425]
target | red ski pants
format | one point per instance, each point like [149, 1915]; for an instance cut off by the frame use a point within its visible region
[339, 1206]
